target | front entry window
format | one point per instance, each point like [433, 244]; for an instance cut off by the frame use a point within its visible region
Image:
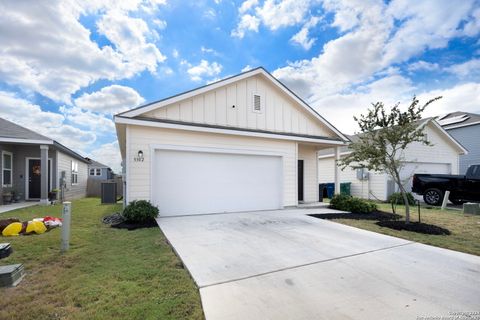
[7, 166]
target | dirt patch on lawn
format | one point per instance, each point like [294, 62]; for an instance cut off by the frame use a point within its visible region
[418, 227]
[377, 215]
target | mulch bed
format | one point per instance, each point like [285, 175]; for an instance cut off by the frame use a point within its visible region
[419, 227]
[117, 221]
[132, 226]
[377, 215]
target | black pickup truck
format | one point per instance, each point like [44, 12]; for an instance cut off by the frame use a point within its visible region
[462, 188]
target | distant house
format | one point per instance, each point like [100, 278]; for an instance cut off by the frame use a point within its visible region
[465, 128]
[32, 165]
[99, 171]
[441, 158]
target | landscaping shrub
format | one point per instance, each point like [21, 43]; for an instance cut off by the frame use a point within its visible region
[140, 211]
[352, 204]
[397, 198]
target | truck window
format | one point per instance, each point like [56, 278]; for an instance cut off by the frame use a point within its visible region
[474, 172]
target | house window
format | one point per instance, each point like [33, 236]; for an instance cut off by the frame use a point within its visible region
[92, 172]
[257, 103]
[98, 172]
[7, 167]
[74, 172]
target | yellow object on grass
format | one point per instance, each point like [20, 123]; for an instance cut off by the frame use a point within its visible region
[36, 226]
[13, 229]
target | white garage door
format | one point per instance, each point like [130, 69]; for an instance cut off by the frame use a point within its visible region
[187, 182]
[412, 168]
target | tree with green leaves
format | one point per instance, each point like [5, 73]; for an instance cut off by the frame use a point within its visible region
[383, 138]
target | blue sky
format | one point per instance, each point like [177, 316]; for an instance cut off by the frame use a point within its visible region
[67, 66]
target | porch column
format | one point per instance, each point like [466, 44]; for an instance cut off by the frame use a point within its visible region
[44, 174]
[337, 171]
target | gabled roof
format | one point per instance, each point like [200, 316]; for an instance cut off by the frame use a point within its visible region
[96, 164]
[423, 122]
[458, 119]
[13, 133]
[212, 86]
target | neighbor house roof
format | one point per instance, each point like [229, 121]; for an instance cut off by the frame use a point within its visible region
[326, 153]
[96, 164]
[137, 112]
[458, 119]
[13, 133]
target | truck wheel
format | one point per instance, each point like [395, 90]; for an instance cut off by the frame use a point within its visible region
[433, 197]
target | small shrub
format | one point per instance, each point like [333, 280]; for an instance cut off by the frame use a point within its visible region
[352, 204]
[140, 211]
[396, 198]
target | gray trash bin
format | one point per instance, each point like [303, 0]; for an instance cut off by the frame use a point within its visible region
[109, 192]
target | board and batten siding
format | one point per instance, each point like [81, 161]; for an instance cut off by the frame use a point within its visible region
[141, 138]
[469, 137]
[232, 106]
[64, 163]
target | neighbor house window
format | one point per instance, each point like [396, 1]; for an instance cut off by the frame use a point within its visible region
[74, 172]
[7, 165]
[92, 172]
[98, 172]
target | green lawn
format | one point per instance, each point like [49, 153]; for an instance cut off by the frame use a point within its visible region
[464, 228]
[107, 274]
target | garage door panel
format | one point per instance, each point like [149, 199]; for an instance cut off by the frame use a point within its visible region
[187, 182]
[411, 168]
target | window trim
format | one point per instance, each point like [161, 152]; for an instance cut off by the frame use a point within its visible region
[98, 172]
[74, 171]
[90, 171]
[11, 169]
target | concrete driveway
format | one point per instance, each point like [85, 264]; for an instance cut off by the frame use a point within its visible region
[284, 264]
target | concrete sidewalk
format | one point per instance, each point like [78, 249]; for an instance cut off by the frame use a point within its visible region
[285, 265]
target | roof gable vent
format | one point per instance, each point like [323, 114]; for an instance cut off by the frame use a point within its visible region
[257, 102]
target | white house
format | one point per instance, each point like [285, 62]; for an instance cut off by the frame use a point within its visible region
[441, 158]
[243, 143]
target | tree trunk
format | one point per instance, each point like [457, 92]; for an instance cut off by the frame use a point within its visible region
[404, 196]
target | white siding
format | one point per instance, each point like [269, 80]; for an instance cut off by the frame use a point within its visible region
[374, 188]
[280, 112]
[442, 152]
[65, 164]
[143, 138]
[310, 186]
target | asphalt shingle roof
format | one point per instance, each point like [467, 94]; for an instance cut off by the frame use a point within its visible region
[11, 130]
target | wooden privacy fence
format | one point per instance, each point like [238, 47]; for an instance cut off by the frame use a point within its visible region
[94, 187]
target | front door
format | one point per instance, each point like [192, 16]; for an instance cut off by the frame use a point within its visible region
[35, 178]
[300, 180]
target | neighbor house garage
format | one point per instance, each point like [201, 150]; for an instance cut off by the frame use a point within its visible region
[440, 158]
[240, 144]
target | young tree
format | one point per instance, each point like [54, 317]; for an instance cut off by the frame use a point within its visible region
[383, 138]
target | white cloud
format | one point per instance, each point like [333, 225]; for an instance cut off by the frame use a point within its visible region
[87, 119]
[63, 58]
[209, 51]
[129, 37]
[466, 69]
[50, 124]
[302, 37]
[247, 23]
[110, 100]
[378, 36]
[423, 65]
[161, 24]
[246, 68]
[247, 5]
[277, 14]
[461, 97]
[204, 69]
[108, 154]
[175, 53]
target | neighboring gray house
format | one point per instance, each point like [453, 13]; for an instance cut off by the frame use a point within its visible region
[99, 171]
[32, 165]
[465, 128]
